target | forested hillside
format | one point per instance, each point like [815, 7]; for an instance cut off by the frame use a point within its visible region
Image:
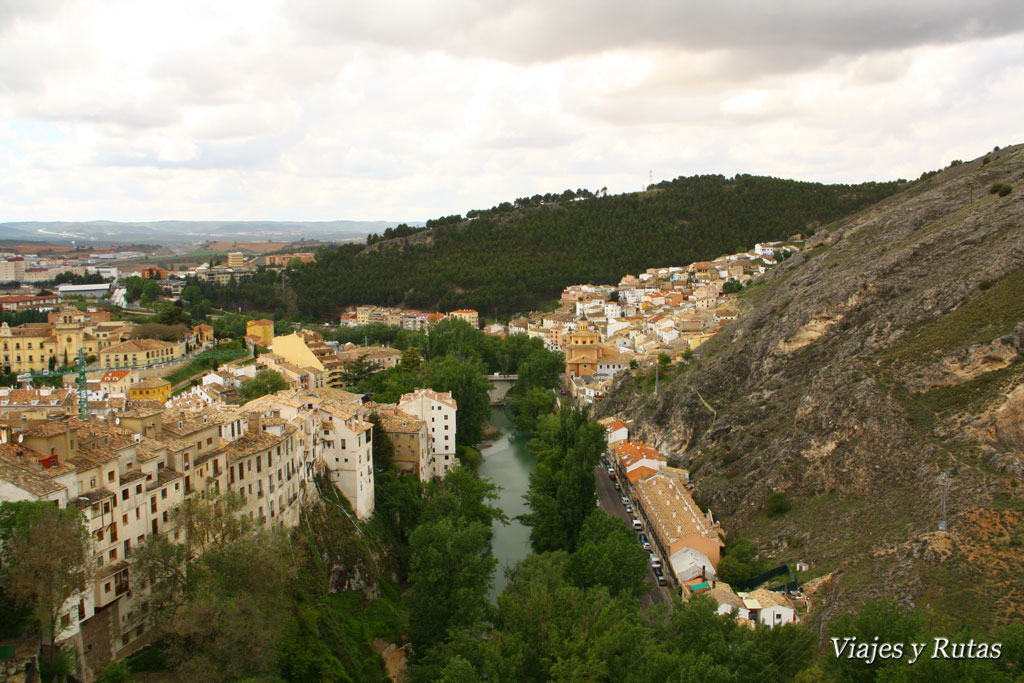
[516, 255]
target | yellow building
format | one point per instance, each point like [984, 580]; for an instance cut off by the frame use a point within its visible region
[152, 389]
[262, 328]
[204, 333]
[236, 259]
[34, 347]
[141, 352]
[307, 350]
[467, 314]
[582, 351]
[363, 314]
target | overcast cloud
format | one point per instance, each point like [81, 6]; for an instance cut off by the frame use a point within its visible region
[402, 110]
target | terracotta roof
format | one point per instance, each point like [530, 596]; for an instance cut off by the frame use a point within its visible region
[669, 505]
[115, 375]
[46, 430]
[137, 345]
[152, 383]
[28, 480]
[251, 442]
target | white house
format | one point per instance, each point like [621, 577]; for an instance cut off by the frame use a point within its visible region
[438, 410]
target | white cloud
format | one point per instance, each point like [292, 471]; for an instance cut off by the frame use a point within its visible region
[129, 109]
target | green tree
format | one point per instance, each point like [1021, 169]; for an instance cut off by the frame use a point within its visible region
[133, 288]
[358, 371]
[450, 572]
[778, 505]
[608, 555]
[220, 599]
[173, 315]
[383, 448]
[890, 622]
[562, 490]
[46, 553]
[411, 359]
[469, 387]
[150, 291]
[265, 382]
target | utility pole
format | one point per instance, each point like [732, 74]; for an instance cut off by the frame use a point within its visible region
[944, 483]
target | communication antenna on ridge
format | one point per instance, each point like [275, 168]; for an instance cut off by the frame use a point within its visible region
[650, 177]
[944, 483]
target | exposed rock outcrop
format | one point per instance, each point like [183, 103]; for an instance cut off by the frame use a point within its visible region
[888, 352]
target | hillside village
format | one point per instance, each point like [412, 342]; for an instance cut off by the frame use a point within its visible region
[137, 445]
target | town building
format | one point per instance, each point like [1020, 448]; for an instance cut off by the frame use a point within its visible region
[438, 410]
[262, 328]
[467, 314]
[141, 353]
[676, 522]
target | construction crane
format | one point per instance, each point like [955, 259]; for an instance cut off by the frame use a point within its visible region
[82, 367]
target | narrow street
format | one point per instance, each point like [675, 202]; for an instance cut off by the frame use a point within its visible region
[608, 500]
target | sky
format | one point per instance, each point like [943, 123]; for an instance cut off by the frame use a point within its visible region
[409, 110]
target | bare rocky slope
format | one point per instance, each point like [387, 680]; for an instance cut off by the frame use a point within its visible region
[889, 352]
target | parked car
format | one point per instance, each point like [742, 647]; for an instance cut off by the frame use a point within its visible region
[644, 542]
[629, 508]
[623, 499]
[618, 486]
[662, 581]
[658, 571]
[637, 524]
[655, 560]
[611, 474]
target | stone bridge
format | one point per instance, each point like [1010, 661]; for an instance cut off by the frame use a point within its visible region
[500, 385]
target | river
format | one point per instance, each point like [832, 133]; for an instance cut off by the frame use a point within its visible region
[508, 464]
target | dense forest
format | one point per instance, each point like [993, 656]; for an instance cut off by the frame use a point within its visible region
[516, 255]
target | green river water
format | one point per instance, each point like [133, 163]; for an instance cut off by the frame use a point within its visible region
[508, 464]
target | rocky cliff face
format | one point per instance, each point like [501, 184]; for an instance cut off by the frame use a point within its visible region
[888, 352]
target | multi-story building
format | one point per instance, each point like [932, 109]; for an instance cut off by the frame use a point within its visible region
[24, 303]
[12, 269]
[262, 328]
[308, 349]
[438, 411]
[36, 347]
[151, 389]
[236, 259]
[140, 353]
[282, 260]
[409, 437]
[467, 314]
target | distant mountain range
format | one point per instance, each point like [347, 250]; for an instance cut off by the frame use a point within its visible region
[185, 232]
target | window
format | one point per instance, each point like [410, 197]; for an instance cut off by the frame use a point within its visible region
[124, 519]
[106, 587]
[163, 492]
[138, 489]
[113, 554]
[124, 494]
[110, 475]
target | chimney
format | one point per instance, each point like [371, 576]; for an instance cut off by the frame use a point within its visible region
[255, 422]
